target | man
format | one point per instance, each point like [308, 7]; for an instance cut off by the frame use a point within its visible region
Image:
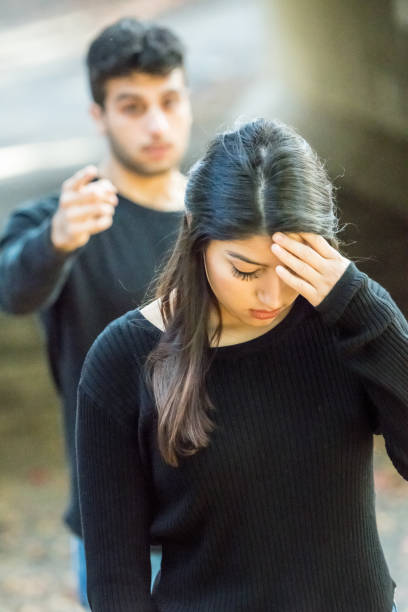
[86, 256]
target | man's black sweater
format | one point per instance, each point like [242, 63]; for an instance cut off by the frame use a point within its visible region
[278, 513]
[78, 294]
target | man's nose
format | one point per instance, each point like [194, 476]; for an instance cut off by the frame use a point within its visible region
[156, 121]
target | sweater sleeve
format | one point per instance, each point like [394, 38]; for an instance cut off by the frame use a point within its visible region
[113, 490]
[32, 271]
[372, 337]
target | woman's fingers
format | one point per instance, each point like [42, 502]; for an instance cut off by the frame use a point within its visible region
[301, 250]
[299, 266]
[298, 284]
[320, 245]
[311, 269]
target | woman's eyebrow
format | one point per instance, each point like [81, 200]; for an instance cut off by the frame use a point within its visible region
[243, 258]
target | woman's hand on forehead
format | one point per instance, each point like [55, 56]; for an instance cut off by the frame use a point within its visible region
[309, 264]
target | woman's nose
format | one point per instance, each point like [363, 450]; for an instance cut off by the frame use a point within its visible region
[270, 302]
[270, 296]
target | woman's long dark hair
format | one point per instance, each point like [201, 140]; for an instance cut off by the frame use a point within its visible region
[258, 179]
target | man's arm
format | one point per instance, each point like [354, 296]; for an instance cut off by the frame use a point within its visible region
[40, 242]
[32, 271]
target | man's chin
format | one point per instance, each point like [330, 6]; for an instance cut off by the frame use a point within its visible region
[151, 169]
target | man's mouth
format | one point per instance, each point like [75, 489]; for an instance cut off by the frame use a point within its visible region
[157, 149]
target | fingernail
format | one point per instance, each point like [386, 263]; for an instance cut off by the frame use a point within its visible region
[278, 236]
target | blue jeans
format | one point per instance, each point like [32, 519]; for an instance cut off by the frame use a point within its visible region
[79, 567]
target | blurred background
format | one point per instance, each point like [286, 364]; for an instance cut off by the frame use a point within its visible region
[335, 71]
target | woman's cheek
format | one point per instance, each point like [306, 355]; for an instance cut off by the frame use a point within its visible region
[290, 295]
[226, 287]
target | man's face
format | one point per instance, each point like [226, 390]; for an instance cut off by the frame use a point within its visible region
[147, 120]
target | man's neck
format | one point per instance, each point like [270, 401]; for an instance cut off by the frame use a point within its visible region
[163, 191]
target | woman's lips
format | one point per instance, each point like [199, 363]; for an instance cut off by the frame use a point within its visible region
[264, 314]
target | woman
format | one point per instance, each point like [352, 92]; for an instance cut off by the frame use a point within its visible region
[232, 419]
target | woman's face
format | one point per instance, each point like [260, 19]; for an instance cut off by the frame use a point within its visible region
[242, 276]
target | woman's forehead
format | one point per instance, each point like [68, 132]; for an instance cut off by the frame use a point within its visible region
[258, 241]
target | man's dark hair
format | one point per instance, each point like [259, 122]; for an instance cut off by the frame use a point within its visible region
[130, 46]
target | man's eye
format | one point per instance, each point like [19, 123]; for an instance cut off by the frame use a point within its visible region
[169, 102]
[133, 109]
[245, 275]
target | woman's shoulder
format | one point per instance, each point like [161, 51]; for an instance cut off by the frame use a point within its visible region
[151, 312]
[115, 360]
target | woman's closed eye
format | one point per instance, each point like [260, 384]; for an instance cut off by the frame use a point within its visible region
[245, 275]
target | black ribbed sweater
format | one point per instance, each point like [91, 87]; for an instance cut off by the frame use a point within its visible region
[277, 514]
